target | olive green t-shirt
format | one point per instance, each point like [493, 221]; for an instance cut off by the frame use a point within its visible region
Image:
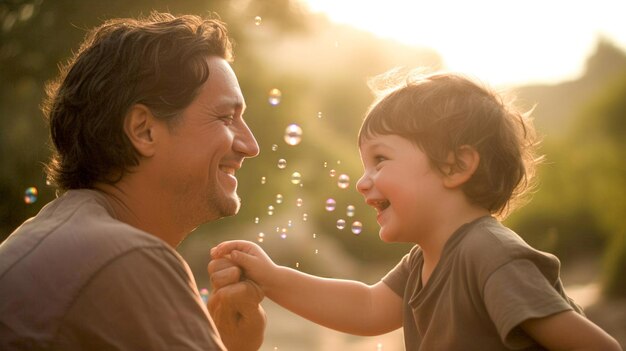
[487, 282]
[75, 278]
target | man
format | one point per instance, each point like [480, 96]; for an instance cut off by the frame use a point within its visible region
[147, 130]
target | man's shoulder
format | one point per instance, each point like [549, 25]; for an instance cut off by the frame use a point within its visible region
[51, 258]
[69, 240]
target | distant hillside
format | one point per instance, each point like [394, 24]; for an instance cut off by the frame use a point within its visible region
[558, 105]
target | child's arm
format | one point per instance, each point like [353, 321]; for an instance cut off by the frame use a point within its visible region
[348, 306]
[569, 331]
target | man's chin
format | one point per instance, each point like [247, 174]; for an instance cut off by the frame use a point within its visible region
[231, 207]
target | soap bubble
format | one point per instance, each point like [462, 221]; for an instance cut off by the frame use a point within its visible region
[204, 294]
[330, 205]
[341, 223]
[350, 211]
[279, 199]
[332, 172]
[343, 181]
[296, 178]
[282, 163]
[270, 210]
[274, 147]
[319, 115]
[258, 20]
[256, 220]
[357, 227]
[293, 134]
[305, 217]
[299, 202]
[260, 237]
[263, 180]
[30, 195]
[274, 97]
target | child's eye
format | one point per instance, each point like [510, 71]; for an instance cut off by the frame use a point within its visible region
[379, 158]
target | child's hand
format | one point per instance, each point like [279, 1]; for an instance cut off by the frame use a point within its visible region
[254, 262]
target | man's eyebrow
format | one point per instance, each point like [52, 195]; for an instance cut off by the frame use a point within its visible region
[231, 104]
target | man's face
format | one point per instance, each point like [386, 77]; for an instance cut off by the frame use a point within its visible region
[206, 147]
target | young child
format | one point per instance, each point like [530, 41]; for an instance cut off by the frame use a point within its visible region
[443, 158]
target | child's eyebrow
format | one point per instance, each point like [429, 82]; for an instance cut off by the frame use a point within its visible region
[377, 146]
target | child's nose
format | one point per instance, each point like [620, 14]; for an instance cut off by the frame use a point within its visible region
[364, 184]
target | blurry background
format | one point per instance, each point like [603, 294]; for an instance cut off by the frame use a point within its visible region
[563, 58]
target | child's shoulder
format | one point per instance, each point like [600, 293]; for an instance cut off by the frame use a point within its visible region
[488, 245]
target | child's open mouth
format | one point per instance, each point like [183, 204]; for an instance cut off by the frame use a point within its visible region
[379, 205]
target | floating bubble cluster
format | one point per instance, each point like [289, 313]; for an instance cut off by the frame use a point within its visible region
[274, 97]
[337, 174]
[30, 195]
[293, 134]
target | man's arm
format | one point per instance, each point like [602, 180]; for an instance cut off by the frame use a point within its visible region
[348, 306]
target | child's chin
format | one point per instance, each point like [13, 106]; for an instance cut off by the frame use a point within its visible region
[386, 236]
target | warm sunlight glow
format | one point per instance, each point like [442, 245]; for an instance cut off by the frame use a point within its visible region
[501, 42]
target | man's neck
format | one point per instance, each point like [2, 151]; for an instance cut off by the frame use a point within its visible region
[144, 210]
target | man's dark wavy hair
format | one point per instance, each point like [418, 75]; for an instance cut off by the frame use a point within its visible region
[158, 61]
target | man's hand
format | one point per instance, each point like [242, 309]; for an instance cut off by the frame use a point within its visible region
[234, 307]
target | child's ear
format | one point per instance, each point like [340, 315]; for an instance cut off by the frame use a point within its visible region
[461, 166]
[139, 128]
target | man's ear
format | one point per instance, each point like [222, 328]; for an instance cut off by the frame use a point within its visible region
[138, 126]
[461, 166]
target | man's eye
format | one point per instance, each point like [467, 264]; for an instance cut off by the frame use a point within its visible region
[228, 120]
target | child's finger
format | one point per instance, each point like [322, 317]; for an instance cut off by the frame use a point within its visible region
[226, 247]
[244, 260]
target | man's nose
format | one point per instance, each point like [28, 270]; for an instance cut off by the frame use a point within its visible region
[245, 142]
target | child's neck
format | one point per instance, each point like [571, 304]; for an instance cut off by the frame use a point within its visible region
[433, 245]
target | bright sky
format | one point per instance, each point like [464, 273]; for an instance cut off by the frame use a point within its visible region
[499, 41]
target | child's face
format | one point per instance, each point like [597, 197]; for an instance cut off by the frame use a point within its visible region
[399, 182]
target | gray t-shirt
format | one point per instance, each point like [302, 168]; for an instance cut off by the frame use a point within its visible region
[487, 282]
[75, 278]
